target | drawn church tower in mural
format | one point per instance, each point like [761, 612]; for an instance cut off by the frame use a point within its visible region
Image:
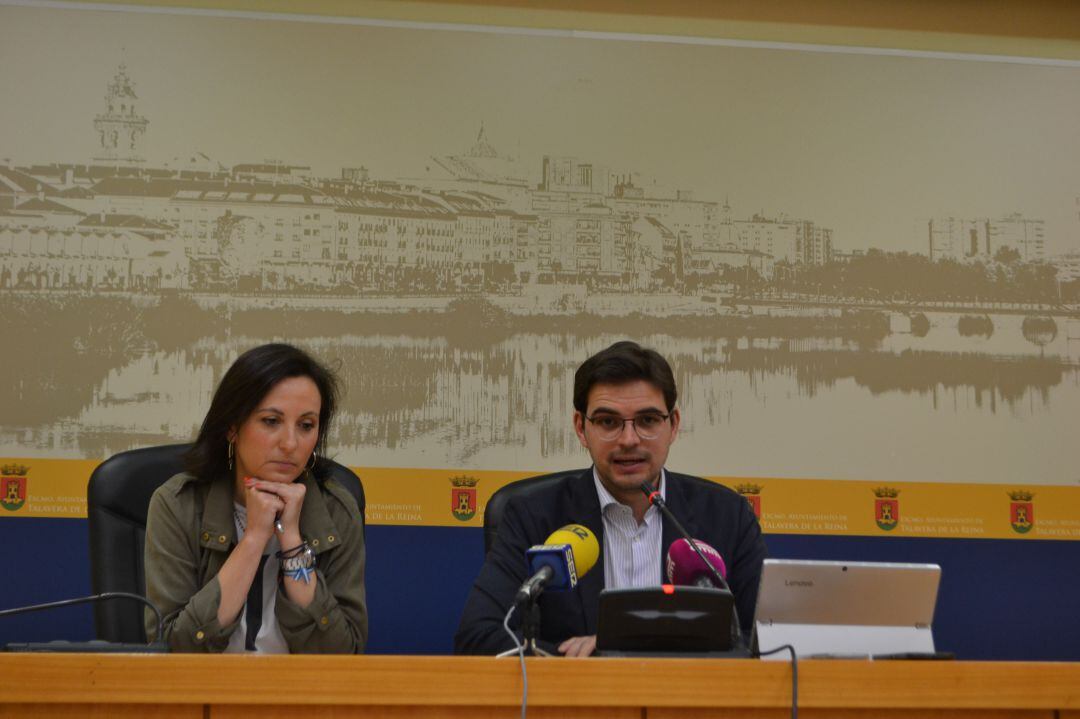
[482, 148]
[120, 127]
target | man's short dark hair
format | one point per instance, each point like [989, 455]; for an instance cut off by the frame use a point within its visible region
[621, 363]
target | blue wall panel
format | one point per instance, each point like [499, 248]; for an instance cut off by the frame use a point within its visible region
[1000, 599]
[46, 560]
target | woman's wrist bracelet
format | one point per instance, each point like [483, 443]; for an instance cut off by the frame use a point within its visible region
[300, 574]
[294, 552]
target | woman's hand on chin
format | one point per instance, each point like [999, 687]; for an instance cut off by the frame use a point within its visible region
[263, 508]
[290, 498]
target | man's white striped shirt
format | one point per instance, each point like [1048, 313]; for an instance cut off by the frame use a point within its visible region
[631, 550]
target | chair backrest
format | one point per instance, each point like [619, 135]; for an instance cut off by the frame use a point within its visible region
[117, 499]
[497, 504]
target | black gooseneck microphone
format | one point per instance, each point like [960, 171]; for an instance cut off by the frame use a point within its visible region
[157, 645]
[657, 501]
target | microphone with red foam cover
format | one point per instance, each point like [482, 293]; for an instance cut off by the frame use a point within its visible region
[686, 568]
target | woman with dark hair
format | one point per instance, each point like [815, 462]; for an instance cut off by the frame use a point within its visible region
[254, 548]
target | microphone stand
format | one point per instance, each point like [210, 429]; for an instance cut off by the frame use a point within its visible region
[530, 628]
[656, 500]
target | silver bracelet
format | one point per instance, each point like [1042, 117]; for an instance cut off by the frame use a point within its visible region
[305, 559]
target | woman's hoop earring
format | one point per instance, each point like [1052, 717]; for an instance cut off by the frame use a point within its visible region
[230, 452]
[314, 459]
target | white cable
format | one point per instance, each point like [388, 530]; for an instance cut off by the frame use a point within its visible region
[521, 655]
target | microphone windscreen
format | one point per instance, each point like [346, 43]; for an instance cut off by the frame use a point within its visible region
[559, 559]
[684, 566]
[582, 543]
[569, 552]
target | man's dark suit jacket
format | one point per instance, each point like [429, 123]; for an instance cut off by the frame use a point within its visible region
[709, 512]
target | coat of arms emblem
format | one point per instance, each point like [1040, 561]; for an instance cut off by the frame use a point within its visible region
[463, 497]
[13, 486]
[1021, 511]
[886, 508]
[752, 492]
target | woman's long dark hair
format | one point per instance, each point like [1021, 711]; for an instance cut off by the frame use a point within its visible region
[245, 384]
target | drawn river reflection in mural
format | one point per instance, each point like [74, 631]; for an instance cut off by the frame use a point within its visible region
[938, 407]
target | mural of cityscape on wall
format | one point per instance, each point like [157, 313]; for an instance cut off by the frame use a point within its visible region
[457, 295]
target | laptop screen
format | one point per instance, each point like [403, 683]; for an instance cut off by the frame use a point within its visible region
[824, 607]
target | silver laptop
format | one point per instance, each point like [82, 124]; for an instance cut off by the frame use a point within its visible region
[842, 609]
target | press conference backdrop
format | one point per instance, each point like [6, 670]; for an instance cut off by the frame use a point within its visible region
[863, 265]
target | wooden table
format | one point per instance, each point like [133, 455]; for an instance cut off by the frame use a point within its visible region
[299, 687]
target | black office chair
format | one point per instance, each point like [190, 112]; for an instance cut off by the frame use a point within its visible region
[117, 499]
[497, 504]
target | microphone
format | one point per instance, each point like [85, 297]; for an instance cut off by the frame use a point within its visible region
[685, 568]
[658, 501]
[569, 553]
[158, 645]
[712, 570]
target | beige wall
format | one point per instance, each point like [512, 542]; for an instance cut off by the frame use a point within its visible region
[820, 154]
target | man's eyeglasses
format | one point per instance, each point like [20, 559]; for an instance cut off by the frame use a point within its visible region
[609, 426]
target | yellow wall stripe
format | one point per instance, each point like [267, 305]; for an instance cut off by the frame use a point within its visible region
[429, 497]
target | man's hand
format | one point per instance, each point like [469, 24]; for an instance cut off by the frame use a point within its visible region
[578, 646]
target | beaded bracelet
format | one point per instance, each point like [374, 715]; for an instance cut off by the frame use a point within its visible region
[294, 552]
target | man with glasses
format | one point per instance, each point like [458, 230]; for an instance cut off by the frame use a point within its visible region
[625, 416]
